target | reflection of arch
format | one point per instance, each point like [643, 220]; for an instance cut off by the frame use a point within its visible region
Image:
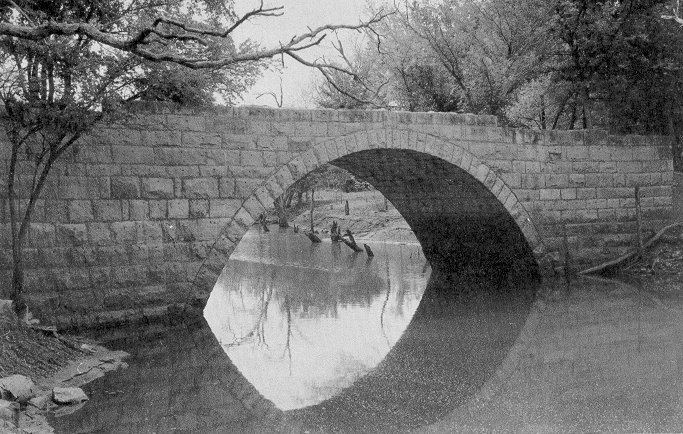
[414, 142]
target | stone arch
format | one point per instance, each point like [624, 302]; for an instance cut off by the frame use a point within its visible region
[335, 148]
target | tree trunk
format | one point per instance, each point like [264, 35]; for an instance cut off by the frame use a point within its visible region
[312, 208]
[676, 148]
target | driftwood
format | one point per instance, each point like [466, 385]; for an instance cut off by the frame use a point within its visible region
[631, 255]
[368, 250]
[264, 224]
[313, 237]
[351, 242]
[335, 232]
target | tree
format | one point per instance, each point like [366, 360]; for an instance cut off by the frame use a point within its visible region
[66, 65]
[458, 55]
[541, 64]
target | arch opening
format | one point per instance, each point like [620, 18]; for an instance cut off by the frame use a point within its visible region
[460, 224]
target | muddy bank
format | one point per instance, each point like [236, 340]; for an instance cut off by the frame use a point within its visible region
[48, 364]
[369, 218]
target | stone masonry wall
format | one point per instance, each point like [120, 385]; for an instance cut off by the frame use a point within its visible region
[135, 213]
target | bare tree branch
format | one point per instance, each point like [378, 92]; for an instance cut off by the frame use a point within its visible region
[141, 44]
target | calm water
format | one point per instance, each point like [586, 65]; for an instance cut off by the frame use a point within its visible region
[303, 321]
[312, 338]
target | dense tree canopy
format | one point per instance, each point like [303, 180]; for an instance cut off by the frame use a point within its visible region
[535, 63]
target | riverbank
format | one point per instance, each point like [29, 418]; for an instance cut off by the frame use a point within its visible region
[48, 361]
[370, 216]
[664, 261]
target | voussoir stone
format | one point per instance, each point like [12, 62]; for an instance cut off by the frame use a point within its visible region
[68, 395]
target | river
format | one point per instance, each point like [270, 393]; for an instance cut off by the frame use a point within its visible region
[302, 337]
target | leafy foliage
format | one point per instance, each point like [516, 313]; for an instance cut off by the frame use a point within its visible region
[541, 64]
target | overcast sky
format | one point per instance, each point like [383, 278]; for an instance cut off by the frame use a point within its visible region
[297, 80]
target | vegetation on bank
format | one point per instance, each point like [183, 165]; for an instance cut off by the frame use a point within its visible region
[29, 352]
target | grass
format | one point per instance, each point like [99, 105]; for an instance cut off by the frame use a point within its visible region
[31, 353]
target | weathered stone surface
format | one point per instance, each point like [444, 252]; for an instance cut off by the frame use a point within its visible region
[7, 311]
[167, 179]
[200, 188]
[9, 413]
[68, 395]
[17, 388]
[125, 187]
[157, 188]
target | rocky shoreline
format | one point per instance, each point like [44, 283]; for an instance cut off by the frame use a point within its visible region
[53, 370]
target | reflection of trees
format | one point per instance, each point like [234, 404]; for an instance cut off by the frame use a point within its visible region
[310, 291]
[291, 292]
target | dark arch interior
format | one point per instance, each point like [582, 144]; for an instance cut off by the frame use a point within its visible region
[460, 224]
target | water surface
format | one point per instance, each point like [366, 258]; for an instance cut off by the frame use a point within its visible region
[319, 333]
[303, 321]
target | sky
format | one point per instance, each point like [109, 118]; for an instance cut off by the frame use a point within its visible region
[297, 80]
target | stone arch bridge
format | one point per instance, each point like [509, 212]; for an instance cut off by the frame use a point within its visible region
[145, 213]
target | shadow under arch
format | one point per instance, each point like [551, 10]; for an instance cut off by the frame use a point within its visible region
[448, 196]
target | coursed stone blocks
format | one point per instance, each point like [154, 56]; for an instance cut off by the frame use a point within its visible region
[168, 182]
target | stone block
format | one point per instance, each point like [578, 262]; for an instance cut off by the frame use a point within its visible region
[224, 207]
[637, 179]
[132, 155]
[125, 188]
[179, 156]
[226, 187]
[99, 234]
[41, 234]
[183, 171]
[209, 229]
[178, 208]
[124, 232]
[550, 194]
[244, 187]
[274, 143]
[200, 188]
[71, 234]
[80, 211]
[556, 180]
[158, 209]
[186, 122]
[149, 232]
[107, 210]
[533, 181]
[94, 154]
[568, 193]
[197, 139]
[161, 138]
[512, 180]
[138, 209]
[157, 188]
[586, 193]
[72, 187]
[251, 172]
[599, 180]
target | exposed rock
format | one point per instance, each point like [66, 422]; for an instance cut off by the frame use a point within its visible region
[7, 311]
[68, 395]
[17, 388]
[40, 402]
[9, 412]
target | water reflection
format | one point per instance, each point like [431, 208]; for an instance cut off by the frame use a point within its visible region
[303, 321]
[483, 353]
[460, 334]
